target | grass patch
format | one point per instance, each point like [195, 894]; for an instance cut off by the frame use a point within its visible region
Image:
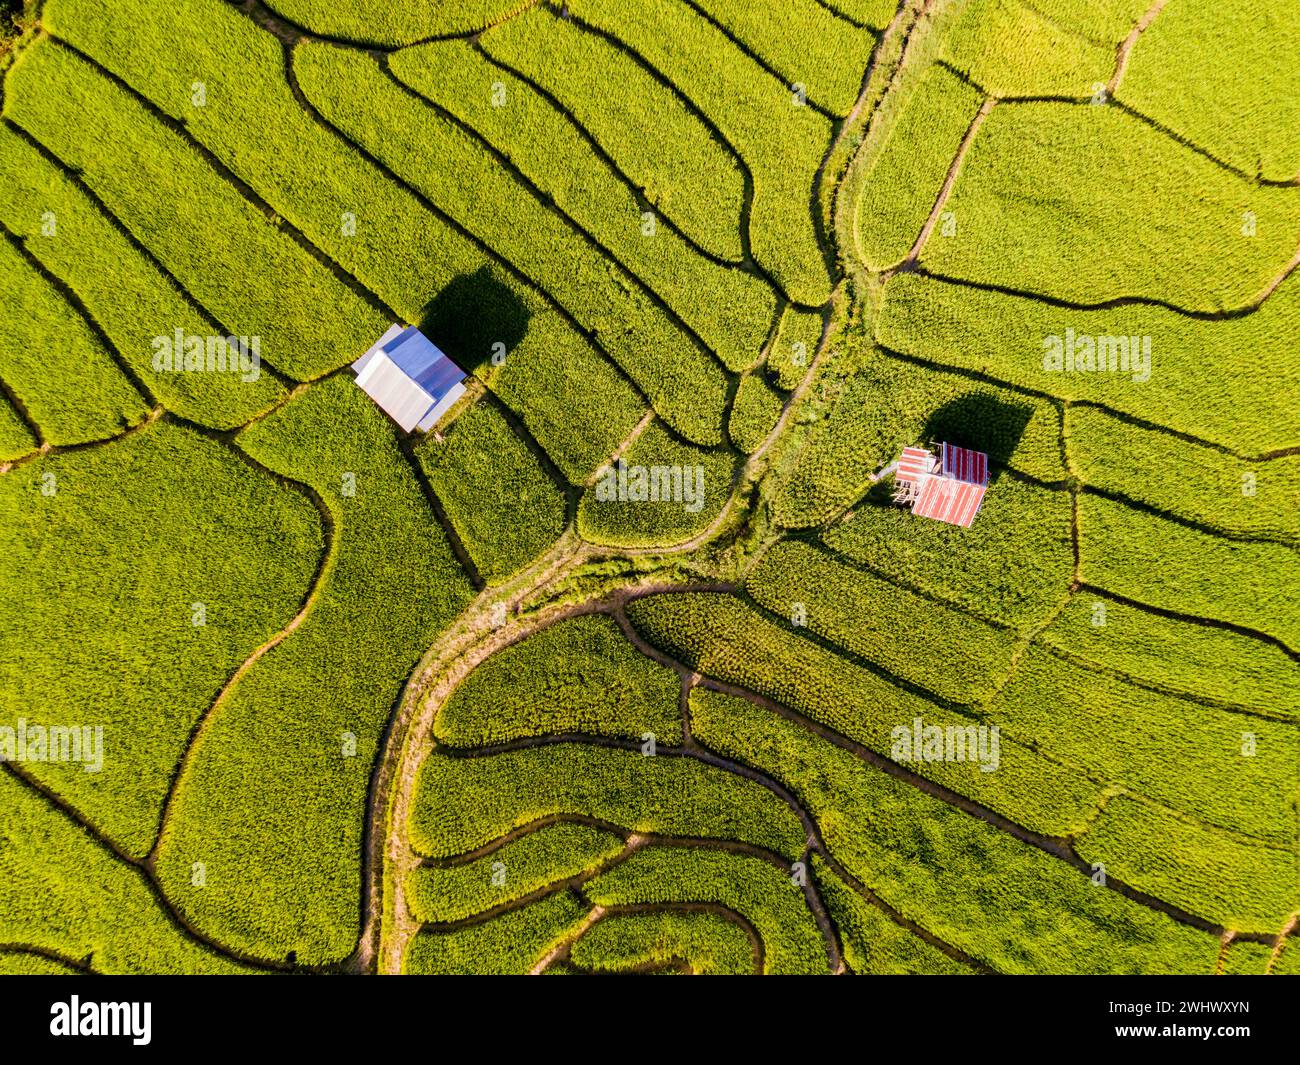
[550, 150]
[719, 637]
[99, 628]
[782, 143]
[273, 800]
[1193, 659]
[1010, 49]
[92, 907]
[1045, 185]
[901, 184]
[508, 945]
[248, 273]
[944, 651]
[132, 301]
[1224, 768]
[1009, 904]
[579, 675]
[56, 366]
[1222, 878]
[706, 943]
[1204, 376]
[754, 414]
[503, 505]
[544, 857]
[763, 894]
[672, 491]
[1170, 566]
[463, 803]
[1175, 77]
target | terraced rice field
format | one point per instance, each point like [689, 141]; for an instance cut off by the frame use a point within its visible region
[612, 672]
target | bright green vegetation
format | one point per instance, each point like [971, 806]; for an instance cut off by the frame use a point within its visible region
[947, 652]
[445, 163]
[795, 347]
[22, 964]
[721, 638]
[502, 503]
[1110, 175]
[576, 404]
[1199, 92]
[107, 624]
[510, 944]
[1245, 957]
[15, 438]
[425, 269]
[45, 346]
[901, 184]
[972, 568]
[1181, 656]
[385, 24]
[873, 944]
[125, 293]
[1203, 374]
[874, 13]
[708, 943]
[544, 857]
[1170, 566]
[272, 800]
[248, 273]
[1200, 484]
[664, 148]
[661, 491]
[579, 675]
[463, 803]
[1101, 21]
[64, 892]
[762, 893]
[675, 231]
[1241, 885]
[1011, 905]
[1233, 771]
[754, 414]
[1288, 962]
[1009, 49]
[398, 250]
[803, 42]
[888, 404]
[781, 142]
[549, 150]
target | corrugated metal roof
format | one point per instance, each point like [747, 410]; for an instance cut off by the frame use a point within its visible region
[950, 500]
[964, 464]
[409, 377]
[949, 488]
[389, 386]
[915, 463]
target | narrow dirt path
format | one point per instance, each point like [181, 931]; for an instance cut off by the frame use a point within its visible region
[1125, 49]
[946, 189]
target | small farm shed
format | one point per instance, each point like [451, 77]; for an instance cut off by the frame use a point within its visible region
[409, 377]
[948, 488]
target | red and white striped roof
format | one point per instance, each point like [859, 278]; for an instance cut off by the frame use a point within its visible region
[915, 464]
[948, 499]
[963, 464]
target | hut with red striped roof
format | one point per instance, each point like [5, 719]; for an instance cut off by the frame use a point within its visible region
[948, 488]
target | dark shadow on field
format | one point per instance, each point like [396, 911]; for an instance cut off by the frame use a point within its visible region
[470, 315]
[982, 421]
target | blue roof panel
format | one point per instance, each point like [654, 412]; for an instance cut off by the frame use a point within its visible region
[421, 360]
